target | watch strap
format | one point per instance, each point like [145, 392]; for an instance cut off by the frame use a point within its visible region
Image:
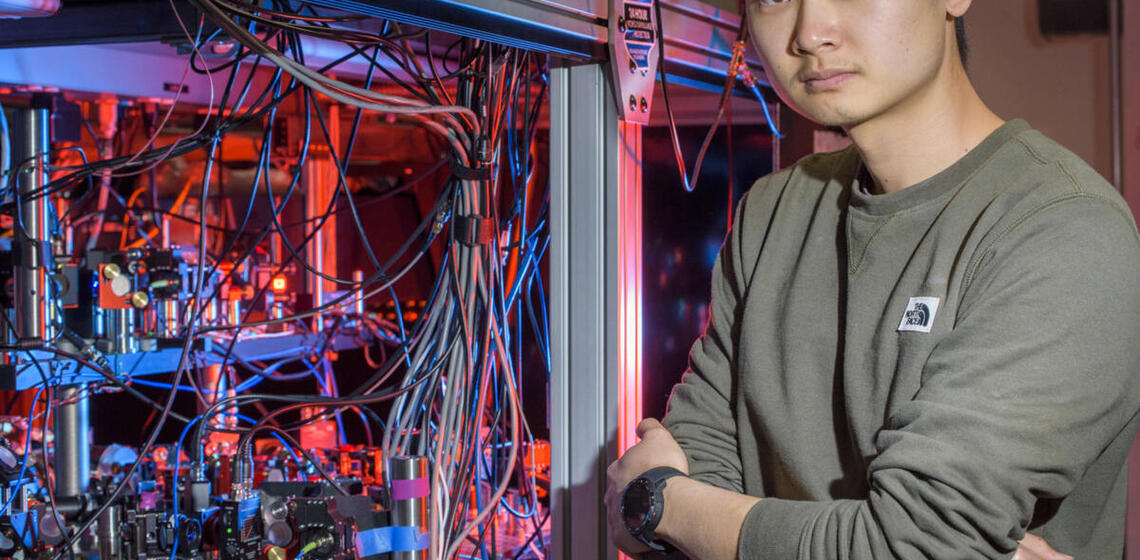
[656, 477]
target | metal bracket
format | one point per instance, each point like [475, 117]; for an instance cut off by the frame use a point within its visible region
[634, 56]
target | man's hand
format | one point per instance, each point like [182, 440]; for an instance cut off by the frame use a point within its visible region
[657, 448]
[1033, 547]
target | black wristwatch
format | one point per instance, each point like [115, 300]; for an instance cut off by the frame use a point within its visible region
[642, 504]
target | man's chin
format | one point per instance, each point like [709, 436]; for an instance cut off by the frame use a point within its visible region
[830, 118]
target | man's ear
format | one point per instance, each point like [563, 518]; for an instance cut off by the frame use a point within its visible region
[957, 8]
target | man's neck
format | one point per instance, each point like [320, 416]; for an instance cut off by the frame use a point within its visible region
[930, 132]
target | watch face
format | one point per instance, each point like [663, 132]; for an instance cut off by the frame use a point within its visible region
[636, 503]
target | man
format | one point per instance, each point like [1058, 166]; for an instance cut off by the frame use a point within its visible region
[924, 346]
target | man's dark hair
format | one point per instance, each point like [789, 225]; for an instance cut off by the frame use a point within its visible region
[963, 48]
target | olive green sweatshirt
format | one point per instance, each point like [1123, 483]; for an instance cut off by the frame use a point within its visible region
[929, 373]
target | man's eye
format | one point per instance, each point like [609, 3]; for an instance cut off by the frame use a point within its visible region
[770, 2]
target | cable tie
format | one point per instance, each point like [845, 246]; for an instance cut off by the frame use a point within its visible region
[469, 173]
[475, 229]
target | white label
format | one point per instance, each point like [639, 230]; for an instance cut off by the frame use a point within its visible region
[919, 315]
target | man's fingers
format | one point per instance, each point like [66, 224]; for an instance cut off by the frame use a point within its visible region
[647, 425]
[1033, 547]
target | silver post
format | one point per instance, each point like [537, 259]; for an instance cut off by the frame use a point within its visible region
[33, 229]
[110, 533]
[72, 445]
[358, 305]
[409, 499]
[120, 329]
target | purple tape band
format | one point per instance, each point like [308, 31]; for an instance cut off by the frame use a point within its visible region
[410, 489]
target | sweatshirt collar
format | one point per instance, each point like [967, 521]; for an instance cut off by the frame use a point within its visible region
[934, 187]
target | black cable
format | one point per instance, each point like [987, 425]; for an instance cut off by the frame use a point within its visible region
[536, 533]
[183, 363]
[186, 146]
[109, 376]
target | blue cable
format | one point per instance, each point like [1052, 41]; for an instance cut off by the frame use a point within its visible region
[239, 388]
[174, 492]
[764, 105]
[167, 386]
[5, 151]
[400, 322]
[332, 392]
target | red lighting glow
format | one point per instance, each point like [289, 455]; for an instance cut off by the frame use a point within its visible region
[629, 282]
[278, 284]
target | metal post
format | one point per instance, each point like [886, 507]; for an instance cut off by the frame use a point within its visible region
[212, 378]
[358, 301]
[169, 321]
[595, 222]
[120, 330]
[107, 108]
[321, 180]
[34, 222]
[314, 252]
[110, 533]
[409, 499]
[318, 193]
[72, 445]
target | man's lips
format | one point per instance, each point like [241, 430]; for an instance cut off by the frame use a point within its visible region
[823, 80]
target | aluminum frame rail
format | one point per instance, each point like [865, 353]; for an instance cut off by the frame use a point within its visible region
[595, 302]
[698, 37]
[698, 41]
[571, 28]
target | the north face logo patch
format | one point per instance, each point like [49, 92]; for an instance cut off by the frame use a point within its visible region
[919, 314]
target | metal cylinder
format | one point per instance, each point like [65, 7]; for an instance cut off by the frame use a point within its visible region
[212, 378]
[358, 303]
[120, 329]
[33, 295]
[233, 309]
[168, 321]
[110, 533]
[320, 184]
[72, 445]
[410, 493]
[209, 313]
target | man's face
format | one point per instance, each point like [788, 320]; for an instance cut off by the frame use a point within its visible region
[843, 62]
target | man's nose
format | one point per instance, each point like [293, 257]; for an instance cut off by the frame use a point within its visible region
[817, 27]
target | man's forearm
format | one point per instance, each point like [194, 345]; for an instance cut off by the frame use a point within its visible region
[702, 520]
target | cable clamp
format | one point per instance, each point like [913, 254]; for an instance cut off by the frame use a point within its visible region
[469, 173]
[33, 254]
[474, 230]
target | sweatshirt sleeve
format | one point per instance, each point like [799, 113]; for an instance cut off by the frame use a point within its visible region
[1037, 377]
[700, 413]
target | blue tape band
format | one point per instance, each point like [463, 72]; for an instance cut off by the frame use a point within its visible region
[390, 539]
